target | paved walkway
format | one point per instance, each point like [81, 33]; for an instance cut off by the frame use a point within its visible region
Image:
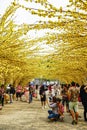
[25, 116]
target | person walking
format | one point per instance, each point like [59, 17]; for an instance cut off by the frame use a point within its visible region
[83, 95]
[2, 93]
[31, 90]
[64, 94]
[12, 92]
[18, 92]
[42, 96]
[73, 102]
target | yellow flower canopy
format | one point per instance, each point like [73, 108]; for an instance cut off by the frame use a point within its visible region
[59, 53]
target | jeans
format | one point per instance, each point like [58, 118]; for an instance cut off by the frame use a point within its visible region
[52, 114]
[30, 98]
[2, 100]
[11, 98]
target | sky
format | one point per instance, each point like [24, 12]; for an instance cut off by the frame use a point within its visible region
[23, 16]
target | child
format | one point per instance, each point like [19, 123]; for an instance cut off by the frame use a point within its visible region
[60, 109]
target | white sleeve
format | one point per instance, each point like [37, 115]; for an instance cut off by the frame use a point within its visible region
[52, 105]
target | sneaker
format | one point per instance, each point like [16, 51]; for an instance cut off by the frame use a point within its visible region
[79, 116]
[76, 122]
[73, 122]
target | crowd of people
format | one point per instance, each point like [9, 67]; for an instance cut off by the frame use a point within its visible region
[10, 93]
[59, 98]
[67, 96]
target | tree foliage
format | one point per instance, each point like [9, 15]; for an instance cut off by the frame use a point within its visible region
[22, 58]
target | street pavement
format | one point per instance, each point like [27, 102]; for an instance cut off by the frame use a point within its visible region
[24, 116]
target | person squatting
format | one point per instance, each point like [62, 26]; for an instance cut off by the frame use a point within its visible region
[57, 109]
